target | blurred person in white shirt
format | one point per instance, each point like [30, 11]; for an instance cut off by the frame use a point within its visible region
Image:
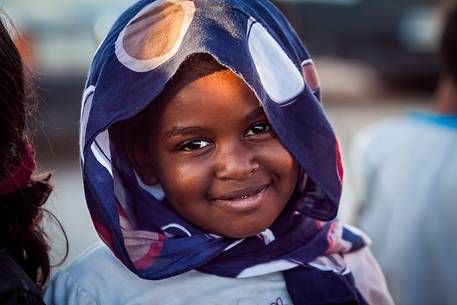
[406, 171]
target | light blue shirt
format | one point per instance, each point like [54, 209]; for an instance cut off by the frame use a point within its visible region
[97, 277]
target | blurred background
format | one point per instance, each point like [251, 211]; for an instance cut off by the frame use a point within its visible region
[376, 59]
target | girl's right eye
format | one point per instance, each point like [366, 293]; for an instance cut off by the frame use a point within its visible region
[194, 145]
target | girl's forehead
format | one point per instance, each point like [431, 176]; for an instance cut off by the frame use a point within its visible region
[195, 67]
[221, 91]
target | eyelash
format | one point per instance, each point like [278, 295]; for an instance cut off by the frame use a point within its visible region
[266, 125]
[186, 145]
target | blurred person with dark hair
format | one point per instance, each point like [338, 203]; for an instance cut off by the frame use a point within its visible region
[24, 260]
[407, 170]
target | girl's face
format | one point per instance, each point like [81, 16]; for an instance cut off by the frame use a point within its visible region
[217, 158]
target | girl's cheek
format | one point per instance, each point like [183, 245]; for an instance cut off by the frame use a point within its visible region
[277, 153]
[192, 173]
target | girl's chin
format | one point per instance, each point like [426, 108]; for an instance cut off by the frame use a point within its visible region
[246, 232]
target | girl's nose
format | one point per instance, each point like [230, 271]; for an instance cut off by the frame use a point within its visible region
[235, 162]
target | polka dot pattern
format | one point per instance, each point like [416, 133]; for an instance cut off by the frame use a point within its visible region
[85, 109]
[154, 35]
[279, 76]
[310, 75]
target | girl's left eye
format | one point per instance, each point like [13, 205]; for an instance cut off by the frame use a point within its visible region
[258, 128]
[194, 145]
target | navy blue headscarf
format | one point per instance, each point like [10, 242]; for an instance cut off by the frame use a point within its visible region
[141, 53]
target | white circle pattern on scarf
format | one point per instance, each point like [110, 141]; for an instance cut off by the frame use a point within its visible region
[86, 105]
[310, 74]
[101, 150]
[279, 76]
[154, 35]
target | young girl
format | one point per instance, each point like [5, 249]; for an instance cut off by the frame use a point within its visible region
[24, 261]
[210, 169]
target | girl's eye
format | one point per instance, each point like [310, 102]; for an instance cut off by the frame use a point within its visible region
[258, 128]
[194, 144]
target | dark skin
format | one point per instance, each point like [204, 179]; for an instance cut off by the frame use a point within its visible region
[446, 96]
[213, 151]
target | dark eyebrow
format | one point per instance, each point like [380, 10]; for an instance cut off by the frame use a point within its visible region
[255, 113]
[182, 131]
[192, 130]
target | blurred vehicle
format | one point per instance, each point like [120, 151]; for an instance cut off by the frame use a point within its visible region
[58, 39]
[397, 37]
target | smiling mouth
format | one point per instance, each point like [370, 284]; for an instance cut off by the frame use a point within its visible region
[243, 200]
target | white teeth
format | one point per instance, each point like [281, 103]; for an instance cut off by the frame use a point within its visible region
[244, 197]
